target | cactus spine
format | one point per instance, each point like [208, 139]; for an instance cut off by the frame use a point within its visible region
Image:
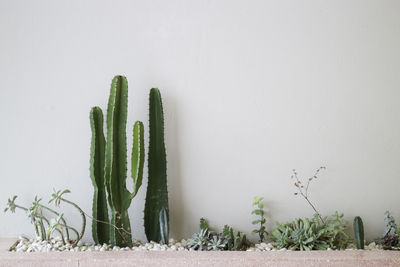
[100, 231]
[156, 208]
[359, 232]
[115, 163]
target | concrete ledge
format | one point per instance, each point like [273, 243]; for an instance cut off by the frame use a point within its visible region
[194, 258]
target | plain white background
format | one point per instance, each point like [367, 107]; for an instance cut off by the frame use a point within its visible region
[251, 90]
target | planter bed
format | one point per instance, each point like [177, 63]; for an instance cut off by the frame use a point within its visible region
[204, 258]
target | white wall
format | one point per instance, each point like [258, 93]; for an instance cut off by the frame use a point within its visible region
[251, 89]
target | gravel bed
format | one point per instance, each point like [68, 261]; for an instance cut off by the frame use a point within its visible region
[55, 244]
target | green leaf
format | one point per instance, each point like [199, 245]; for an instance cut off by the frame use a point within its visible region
[257, 212]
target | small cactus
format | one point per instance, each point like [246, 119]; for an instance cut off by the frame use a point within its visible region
[359, 232]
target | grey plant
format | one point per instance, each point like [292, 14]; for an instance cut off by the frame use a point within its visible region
[199, 241]
[390, 237]
[216, 243]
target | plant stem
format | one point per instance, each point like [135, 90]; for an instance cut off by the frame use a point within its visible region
[83, 217]
[309, 202]
[56, 213]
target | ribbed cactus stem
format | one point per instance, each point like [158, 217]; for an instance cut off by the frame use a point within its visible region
[157, 193]
[100, 231]
[137, 156]
[108, 167]
[359, 232]
[115, 161]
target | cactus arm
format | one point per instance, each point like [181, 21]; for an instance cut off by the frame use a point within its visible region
[157, 193]
[137, 157]
[359, 232]
[100, 231]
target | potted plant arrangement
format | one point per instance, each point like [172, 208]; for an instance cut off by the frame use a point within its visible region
[112, 231]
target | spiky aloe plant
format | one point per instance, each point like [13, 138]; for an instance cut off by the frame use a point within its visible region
[156, 219]
[115, 164]
[100, 230]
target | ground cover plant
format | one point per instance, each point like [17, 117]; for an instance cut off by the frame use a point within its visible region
[312, 234]
[227, 239]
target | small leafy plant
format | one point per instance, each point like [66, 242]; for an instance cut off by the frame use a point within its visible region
[228, 239]
[45, 226]
[312, 234]
[259, 210]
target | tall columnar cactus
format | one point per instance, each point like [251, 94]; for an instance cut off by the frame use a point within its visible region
[115, 163]
[100, 230]
[156, 212]
[359, 232]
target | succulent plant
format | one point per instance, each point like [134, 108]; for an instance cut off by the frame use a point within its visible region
[311, 234]
[227, 239]
[199, 241]
[216, 243]
[235, 240]
[204, 224]
[390, 238]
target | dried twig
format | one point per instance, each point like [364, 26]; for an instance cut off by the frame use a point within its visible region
[304, 191]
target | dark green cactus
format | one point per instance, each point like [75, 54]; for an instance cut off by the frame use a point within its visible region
[115, 163]
[157, 193]
[100, 231]
[359, 232]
